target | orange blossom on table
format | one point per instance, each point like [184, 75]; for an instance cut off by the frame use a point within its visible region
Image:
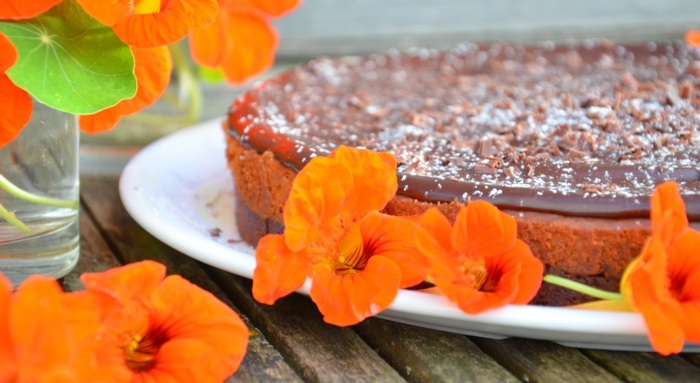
[479, 263]
[356, 257]
[663, 283]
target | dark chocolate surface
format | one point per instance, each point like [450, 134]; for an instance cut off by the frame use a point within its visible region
[582, 130]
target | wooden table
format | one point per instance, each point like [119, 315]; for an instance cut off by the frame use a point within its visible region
[290, 342]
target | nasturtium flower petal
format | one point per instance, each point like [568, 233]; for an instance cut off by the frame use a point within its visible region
[438, 231]
[605, 305]
[15, 110]
[152, 70]
[514, 278]
[453, 286]
[171, 23]
[393, 237]
[107, 12]
[482, 229]
[40, 346]
[241, 43]
[530, 273]
[16, 107]
[668, 216]
[692, 38]
[185, 360]
[278, 271]
[185, 311]
[250, 47]
[24, 9]
[7, 359]
[208, 45]
[345, 300]
[370, 171]
[9, 53]
[684, 274]
[128, 282]
[316, 201]
[649, 286]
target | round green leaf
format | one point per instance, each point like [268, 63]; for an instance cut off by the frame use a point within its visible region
[70, 61]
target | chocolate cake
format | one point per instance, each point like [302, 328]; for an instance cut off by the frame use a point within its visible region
[569, 139]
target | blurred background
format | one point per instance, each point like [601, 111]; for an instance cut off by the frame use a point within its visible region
[338, 27]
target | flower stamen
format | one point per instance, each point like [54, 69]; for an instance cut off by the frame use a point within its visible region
[141, 351]
[476, 271]
[352, 257]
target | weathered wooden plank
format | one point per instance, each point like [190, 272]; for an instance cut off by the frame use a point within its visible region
[101, 199]
[95, 255]
[424, 355]
[646, 366]
[692, 358]
[320, 352]
[337, 27]
[540, 361]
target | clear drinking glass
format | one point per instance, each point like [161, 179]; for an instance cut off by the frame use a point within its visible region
[39, 191]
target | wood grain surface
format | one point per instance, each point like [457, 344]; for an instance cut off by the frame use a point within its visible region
[290, 342]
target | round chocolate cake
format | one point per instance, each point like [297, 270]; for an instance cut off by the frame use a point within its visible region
[571, 140]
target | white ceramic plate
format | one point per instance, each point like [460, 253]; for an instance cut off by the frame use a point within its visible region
[179, 190]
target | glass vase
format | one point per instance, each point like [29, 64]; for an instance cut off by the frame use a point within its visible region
[39, 197]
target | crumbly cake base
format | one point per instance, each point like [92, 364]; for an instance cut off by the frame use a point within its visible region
[594, 251]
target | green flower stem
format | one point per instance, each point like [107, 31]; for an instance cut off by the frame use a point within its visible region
[12, 219]
[188, 82]
[9, 187]
[13, 190]
[581, 288]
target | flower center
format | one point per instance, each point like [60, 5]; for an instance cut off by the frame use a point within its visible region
[352, 255]
[475, 271]
[140, 353]
[676, 287]
[145, 7]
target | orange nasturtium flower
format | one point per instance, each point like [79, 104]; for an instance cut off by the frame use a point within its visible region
[479, 263]
[357, 258]
[167, 329]
[663, 283]
[16, 106]
[151, 23]
[42, 338]
[152, 70]
[692, 38]
[241, 42]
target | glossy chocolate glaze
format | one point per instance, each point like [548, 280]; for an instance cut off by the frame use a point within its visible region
[582, 130]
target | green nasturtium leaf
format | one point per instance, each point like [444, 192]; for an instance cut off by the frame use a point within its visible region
[70, 61]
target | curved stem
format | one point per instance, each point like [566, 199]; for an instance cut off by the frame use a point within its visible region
[13, 220]
[581, 288]
[11, 188]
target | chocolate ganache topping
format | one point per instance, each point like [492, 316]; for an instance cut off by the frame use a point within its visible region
[586, 129]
